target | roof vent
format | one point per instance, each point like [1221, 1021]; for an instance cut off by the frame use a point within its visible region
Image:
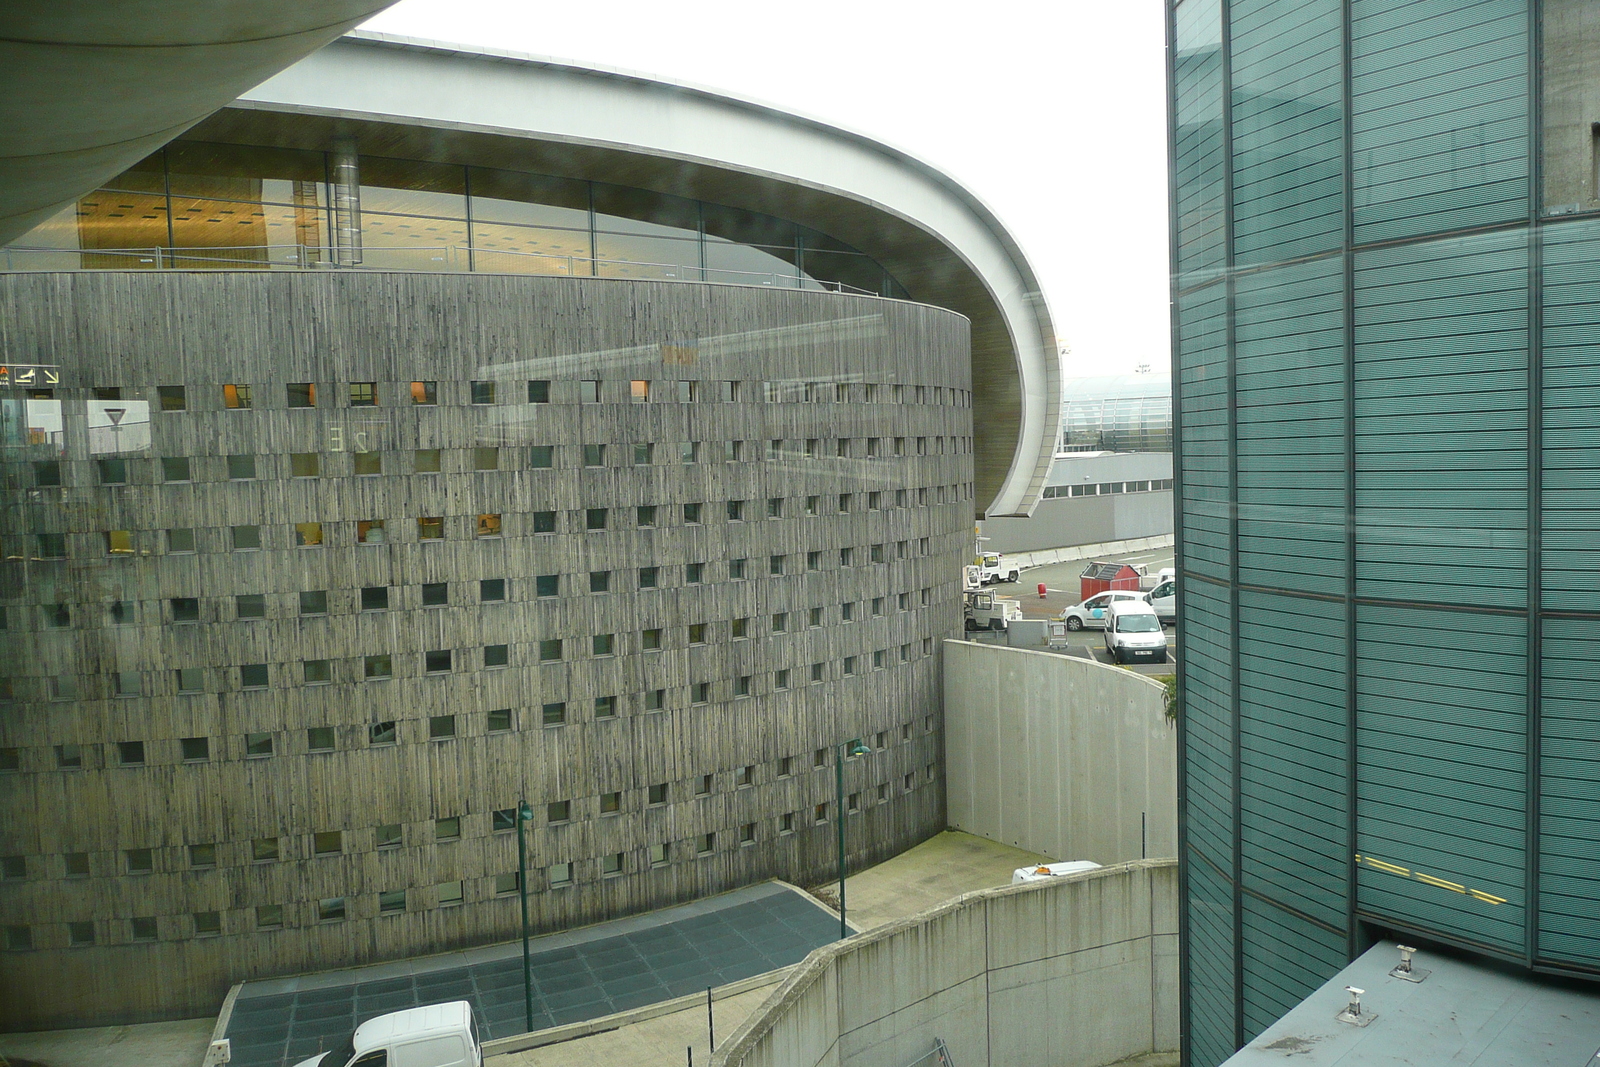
[1404, 969]
[1352, 1013]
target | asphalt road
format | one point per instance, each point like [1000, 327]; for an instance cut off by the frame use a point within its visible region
[1062, 591]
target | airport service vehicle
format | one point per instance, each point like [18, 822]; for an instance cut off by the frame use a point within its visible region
[990, 611]
[1092, 612]
[1164, 598]
[1046, 871]
[436, 1035]
[994, 567]
[1133, 632]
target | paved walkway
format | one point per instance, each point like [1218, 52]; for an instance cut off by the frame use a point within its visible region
[174, 1044]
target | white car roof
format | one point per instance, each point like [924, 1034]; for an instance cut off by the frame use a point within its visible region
[1131, 607]
[426, 1021]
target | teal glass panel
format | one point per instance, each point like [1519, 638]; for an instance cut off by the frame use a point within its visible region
[1569, 801]
[1199, 145]
[1439, 123]
[1441, 332]
[1288, 128]
[1203, 375]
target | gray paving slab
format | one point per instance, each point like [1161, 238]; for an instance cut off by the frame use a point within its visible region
[577, 975]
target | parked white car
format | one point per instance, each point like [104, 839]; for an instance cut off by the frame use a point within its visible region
[436, 1035]
[1164, 598]
[1092, 612]
[1133, 632]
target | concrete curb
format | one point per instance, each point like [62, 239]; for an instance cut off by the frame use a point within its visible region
[557, 1034]
[224, 1017]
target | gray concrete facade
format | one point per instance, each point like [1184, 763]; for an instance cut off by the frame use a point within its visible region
[1126, 503]
[249, 733]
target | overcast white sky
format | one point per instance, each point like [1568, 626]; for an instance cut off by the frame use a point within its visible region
[1053, 113]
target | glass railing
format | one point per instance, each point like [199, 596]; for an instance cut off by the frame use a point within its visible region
[421, 258]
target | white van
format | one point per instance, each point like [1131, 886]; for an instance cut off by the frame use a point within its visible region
[1133, 631]
[437, 1035]
[1164, 598]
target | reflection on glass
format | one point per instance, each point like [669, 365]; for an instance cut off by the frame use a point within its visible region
[1571, 103]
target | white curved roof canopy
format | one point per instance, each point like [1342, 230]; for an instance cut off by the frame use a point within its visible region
[935, 237]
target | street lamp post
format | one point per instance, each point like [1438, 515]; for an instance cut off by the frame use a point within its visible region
[524, 813]
[849, 750]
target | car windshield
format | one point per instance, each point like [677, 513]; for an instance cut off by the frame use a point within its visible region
[342, 1053]
[1138, 624]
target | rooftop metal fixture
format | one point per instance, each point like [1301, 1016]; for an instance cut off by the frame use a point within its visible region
[1404, 970]
[1352, 1013]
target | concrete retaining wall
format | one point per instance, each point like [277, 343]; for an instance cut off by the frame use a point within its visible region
[1079, 971]
[1065, 757]
[1105, 550]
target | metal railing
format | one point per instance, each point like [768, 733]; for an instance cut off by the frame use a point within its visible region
[420, 258]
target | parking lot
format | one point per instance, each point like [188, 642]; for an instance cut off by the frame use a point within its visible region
[1062, 591]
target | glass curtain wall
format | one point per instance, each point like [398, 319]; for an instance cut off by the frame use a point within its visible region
[199, 205]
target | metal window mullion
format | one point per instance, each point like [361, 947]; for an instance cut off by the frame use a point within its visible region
[1535, 668]
[1351, 749]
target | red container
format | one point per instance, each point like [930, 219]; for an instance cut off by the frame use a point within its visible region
[1098, 577]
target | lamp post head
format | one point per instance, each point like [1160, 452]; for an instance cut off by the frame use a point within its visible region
[525, 812]
[854, 748]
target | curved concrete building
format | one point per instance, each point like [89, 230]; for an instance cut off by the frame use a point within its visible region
[432, 432]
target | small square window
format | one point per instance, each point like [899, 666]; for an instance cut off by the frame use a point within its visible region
[435, 594]
[130, 753]
[849, 665]
[491, 590]
[375, 598]
[610, 803]
[657, 794]
[741, 686]
[483, 392]
[649, 577]
[175, 469]
[426, 461]
[77, 864]
[363, 394]
[185, 609]
[554, 714]
[542, 456]
[599, 581]
[589, 391]
[496, 655]
[264, 850]
[877, 605]
[78, 933]
[52, 546]
[486, 458]
[539, 392]
[775, 564]
[780, 679]
[736, 569]
[559, 811]
[142, 928]
[47, 472]
[732, 451]
[844, 502]
[195, 749]
[378, 666]
[605, 707]
[697, 633]
[505, 884]
[611, 865]
[691, 514]
[707, 844]
[424, 392]
[878, 660]
[700, 693]
[430, 528]
[437, 661]
[660, 855]
[604, 644]
[253, 676]
[502, 820]
[736, 511]
[655, 700]
[330, 910]
[499, 720]
[650, 640]
[173, 397]
[320, 738]
[314, 602]
[327, 843]
[786, 767]
[269, 916]
[747, 834]
[202, 855]
[775, 507]
[550, 650]
[729, 392]
[448, 829]
[129, 684]
[639, 392]
[302, 394]
[559, 874]
[595, 518]
[847, 612]
[689, 452]
[786, 823]
[488, 525]
[10, 759]
[246, 538]
[738, 628]
[688, 392]
[368, 463]
[389, 835]
[774, 449]
[236, 396]
[307, 534]
[257, 746]
[305, 464]
[250, 606]
[819, 814]
[594, 455]
[547, 585]
[190, 679]
[544, 522]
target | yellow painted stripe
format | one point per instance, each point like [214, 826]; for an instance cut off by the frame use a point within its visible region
[1428, 879]
[1440, 882]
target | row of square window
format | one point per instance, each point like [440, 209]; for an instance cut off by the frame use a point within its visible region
[1052, 492]
[484, 526]
[446, 727]
[19, 938]
[391, 835]
[190, 680]
[587, 391]
[374, 598]
[245, 466]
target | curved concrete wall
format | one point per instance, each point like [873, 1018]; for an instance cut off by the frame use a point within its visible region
[138, 888]
[1080, 970]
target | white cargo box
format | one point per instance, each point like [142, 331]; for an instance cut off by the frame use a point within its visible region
[1051, 870]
